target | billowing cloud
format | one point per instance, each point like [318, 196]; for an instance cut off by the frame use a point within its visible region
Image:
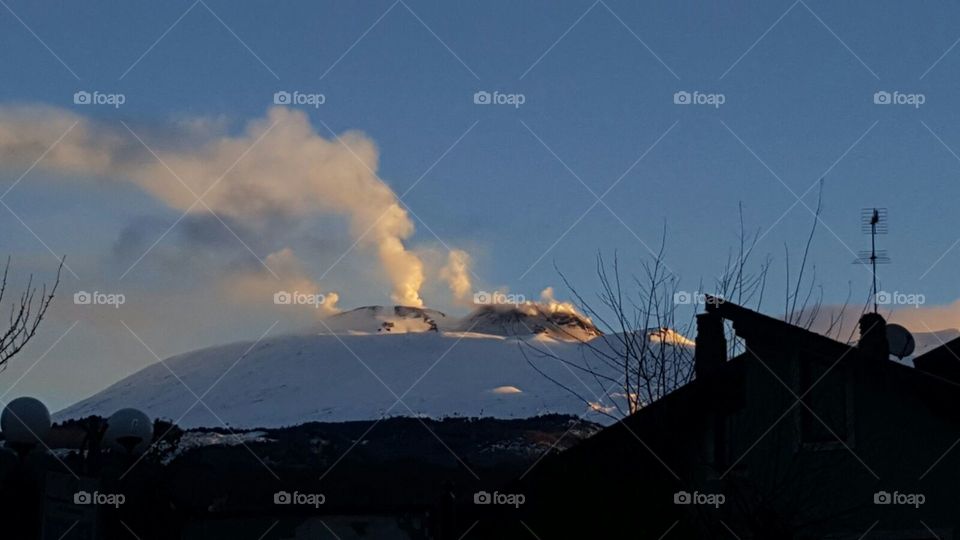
[288, 287]
[278, 167]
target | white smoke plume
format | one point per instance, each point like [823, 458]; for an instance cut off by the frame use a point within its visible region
[279, 166]
[549, 303]
[456, 274]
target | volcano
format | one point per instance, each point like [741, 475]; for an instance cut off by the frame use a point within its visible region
[373, 362]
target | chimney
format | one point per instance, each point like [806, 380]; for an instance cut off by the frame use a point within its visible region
[711, 348]
[873, 345]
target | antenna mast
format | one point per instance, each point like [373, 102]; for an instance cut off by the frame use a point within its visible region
[873, 222]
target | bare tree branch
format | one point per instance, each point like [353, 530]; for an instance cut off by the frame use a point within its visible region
[26, 314]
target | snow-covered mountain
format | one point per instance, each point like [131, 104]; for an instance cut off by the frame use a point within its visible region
[368, 363]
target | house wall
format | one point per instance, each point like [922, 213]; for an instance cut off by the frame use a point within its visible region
[782, 468]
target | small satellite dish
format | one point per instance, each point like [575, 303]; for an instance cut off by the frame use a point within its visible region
[900, 340]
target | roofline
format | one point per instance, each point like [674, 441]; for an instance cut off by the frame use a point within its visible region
[740, 315]
[950, 346]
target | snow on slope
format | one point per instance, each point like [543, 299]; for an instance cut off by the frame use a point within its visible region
[299, 378]
[927, 341]
[352, 371]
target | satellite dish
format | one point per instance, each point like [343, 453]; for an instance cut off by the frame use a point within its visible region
[900, 340]
[25, 422]
[130, 430]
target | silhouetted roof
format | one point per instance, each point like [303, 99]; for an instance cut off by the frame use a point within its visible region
[936, 377]
[749, 323]
[727, 387]
[944, 361]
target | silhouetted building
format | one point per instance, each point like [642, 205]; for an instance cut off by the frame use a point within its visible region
[796, 436]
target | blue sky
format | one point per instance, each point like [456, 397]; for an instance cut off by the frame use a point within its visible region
[510, 185]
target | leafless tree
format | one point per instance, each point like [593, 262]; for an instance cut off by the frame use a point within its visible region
[643, 353]
[807, 312]
[26, 314]
[637, 358]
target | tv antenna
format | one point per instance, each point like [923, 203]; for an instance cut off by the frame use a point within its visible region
[873, 221]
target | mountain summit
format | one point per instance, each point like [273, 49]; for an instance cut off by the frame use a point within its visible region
[504, 320]
[530, 319]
